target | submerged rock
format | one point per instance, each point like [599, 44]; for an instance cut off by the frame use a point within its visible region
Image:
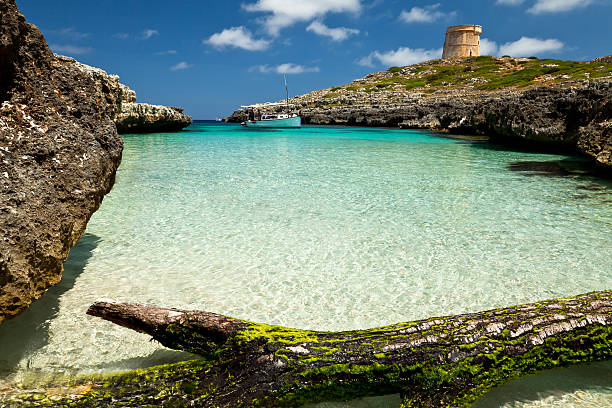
[59, 152]
[130, 116]
[554, 168]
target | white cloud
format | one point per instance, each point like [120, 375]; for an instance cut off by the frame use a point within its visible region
[180, 66]
[336, 34]
[167, 52]
[401, 57]
[237, 37]
[148, 33]
[556, 6]
[530, 46]
[70, 32]
[288, 68]
[427, 14]
[510, 2]
[288, 12]
[70, 49]
[525, 47]
[488, 47]
[121, 36]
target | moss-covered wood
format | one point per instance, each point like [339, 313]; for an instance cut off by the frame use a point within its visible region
[441, 362]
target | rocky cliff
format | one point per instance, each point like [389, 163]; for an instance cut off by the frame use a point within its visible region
[146, 118]
[130, 116]
[512, 100]
[59, 152]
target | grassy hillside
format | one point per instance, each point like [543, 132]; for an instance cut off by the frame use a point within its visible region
[476, 74]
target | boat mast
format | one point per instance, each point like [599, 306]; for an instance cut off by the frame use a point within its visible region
[286, 89]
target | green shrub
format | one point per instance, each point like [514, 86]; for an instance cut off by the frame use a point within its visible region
[484, 58]
[485, 72]
[416, 83]
[551, 70]
[602, 73]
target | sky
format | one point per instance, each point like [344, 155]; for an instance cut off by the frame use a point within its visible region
[210, 57]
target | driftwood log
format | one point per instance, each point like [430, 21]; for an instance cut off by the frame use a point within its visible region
[447, 361]
[438, 362]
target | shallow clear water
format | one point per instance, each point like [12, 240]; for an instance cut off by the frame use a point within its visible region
[321, 228]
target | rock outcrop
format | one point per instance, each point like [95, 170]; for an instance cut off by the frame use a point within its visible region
[547, 107]
[59, 152]
[146, 118]
[130, 116]
[576, 117]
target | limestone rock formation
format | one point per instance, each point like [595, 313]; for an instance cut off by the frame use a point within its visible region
[145, 118]
[470, 96]
[131, 117]
[59, 152]
[577, 118]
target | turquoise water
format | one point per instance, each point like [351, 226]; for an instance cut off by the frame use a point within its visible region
[322, 228]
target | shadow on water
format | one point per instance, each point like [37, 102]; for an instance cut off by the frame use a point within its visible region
[553, 168]
[594, 183]
[30, 330]
[572, 166]
[525, 146]
[158, 357]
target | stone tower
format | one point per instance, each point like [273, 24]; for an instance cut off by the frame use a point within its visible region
[462, 41]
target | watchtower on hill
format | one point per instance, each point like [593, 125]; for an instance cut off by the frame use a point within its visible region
[462, 41]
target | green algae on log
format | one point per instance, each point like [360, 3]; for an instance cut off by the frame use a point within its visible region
[441, 362]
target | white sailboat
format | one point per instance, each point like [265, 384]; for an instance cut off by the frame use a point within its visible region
[273, 120]
[282, 120]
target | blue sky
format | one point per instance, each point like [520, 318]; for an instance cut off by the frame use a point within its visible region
[212, 56]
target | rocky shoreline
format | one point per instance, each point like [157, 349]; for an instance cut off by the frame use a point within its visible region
[59, 153]
[131, 116]
[575, 115]
[146, 118]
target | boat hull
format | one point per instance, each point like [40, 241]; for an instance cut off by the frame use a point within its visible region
[294, 122]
